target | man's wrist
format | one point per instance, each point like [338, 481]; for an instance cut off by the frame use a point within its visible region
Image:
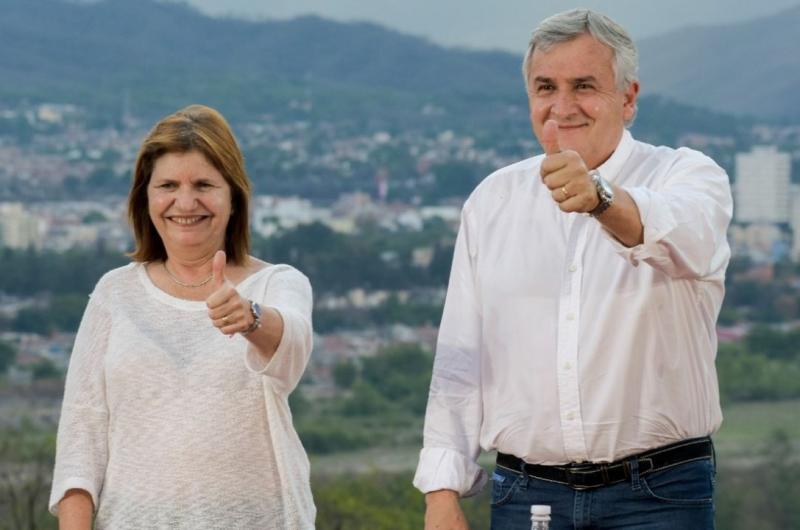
[440, 496]
[604, 191]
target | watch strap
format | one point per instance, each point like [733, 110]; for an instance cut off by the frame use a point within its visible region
[255, 310]
[605, 196]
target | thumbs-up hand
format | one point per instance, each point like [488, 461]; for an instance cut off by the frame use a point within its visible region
[228, 311]
[550, 138]
[218, 268]
[565, 174]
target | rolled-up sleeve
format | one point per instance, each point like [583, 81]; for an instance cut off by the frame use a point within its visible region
[82, 443]
[685, 221]
[289, 293]
[454, 415]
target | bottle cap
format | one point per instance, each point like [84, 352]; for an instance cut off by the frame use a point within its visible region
[540, 509]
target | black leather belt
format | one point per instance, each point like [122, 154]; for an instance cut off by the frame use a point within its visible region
[582, 476]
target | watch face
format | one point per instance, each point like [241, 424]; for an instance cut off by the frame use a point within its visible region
[607, 191]
[256, 309]
[604, 189]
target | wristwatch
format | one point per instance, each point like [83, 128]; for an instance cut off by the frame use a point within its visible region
[255, 310]
[604, 192]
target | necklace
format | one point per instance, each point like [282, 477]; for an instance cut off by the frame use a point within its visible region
[184, 284]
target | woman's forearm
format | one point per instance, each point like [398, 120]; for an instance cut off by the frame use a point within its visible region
[75, 511]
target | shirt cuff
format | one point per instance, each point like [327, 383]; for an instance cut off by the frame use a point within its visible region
[657, 221]
[73, 483]
[254, 359]
[445, 469]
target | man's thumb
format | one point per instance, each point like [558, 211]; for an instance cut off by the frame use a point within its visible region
[550, 138]
[218, 268]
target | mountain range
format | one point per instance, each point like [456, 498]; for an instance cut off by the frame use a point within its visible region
[749, 68]
[160, 55]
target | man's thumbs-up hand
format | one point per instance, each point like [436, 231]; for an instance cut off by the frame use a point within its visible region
[550, 138]
[229, 312]
[565, 174]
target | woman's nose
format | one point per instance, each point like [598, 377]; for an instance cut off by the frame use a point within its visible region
[186, 199]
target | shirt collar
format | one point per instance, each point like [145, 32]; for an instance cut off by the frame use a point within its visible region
[611, 167]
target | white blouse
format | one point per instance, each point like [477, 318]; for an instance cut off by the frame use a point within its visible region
[168, 423]
[557, 343]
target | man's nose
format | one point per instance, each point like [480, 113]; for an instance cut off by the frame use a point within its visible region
[564, 104]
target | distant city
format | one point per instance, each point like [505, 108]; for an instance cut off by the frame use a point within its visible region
[42, 176]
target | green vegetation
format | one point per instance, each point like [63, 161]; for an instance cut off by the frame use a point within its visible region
[757, 490]
[374, 258]
[773, 296]
[26, 456]
[383, 406]
[748, 425]
[8, 355]
[29, 273]
[765, 366]
[763, 495]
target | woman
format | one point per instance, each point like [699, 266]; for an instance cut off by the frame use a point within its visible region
[175, 409]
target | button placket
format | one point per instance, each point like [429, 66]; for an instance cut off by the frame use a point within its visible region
[569, 317]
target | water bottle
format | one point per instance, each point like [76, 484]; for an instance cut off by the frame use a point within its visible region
[540, 517]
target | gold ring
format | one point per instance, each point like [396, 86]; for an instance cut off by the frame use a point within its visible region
[225, 319]
[565, 192]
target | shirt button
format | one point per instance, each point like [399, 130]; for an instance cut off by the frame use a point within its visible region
[573, 268]
[571, 416]
[570, 316]
[567, 365]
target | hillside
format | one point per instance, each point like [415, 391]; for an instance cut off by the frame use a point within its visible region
[157, 56]
[751, 68]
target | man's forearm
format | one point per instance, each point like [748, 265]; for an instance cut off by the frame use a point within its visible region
[443, 511]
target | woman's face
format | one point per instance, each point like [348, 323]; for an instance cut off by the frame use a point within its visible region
[189, 203]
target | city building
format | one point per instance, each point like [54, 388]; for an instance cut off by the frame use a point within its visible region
[762, 194]
[19, 228]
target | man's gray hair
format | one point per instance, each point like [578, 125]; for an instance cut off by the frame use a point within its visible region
[572, 24]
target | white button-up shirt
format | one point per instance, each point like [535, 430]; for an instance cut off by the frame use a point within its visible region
[557, 343]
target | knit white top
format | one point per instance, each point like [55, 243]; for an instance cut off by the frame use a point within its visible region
[168, 423]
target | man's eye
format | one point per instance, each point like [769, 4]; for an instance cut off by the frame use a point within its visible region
[584, 86]
[545, 88]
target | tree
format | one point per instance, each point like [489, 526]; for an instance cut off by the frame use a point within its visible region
[344, 374]
[8, 355]
[26, 456]
[45, 369]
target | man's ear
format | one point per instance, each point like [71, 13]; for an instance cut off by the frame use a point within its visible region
[631, 93]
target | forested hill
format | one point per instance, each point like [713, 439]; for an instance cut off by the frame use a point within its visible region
[750, 68]
[162, 54]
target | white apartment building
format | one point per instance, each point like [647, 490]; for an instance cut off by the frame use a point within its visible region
[19, 228]
[763, 179]
[794, 221]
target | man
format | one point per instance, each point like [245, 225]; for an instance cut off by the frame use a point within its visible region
[578, 336]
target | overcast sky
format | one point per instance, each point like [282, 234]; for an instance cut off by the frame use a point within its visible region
[501, 24]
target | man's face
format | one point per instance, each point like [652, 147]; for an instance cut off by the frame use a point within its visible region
[573, 83]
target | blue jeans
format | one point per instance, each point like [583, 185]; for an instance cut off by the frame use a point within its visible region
[677, 498]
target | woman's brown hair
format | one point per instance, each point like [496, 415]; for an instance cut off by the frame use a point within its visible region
[194, 128]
